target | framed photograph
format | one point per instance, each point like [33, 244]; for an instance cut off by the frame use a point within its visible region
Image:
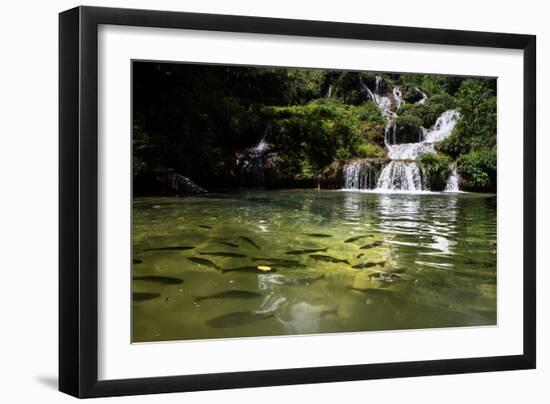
[251, 201]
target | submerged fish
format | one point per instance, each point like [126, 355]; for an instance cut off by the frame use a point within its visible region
[274, 260]
[384, 276]
[374, 291]
[173, 248]
[250, 269]
[223, 254]
[165, 280]
[328, 258]
[351, 239]
[226, 243]
[251, 242]
[369, 264]
[302, 281]
[360, 255]
[204, 226]
[317, 235]
[237, 318]
[136, 261]
[307, 251]
[285, 264]
[203, 261]
[141, 296]
[324, 313]
[371, 245]
[230, 294]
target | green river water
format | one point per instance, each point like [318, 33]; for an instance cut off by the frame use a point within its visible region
[428, 260]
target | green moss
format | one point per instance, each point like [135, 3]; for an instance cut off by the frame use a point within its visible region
[436, 169]
[369, 150]
[408, 128]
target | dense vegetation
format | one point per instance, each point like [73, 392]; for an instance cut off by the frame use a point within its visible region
[195, 119]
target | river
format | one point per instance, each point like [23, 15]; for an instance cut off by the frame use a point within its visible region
[384, 261]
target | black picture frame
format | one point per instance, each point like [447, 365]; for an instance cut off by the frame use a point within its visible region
[78, 196]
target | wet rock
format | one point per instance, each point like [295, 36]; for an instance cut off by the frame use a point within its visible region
[181, 184]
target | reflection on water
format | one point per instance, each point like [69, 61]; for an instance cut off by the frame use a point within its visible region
[392, 261]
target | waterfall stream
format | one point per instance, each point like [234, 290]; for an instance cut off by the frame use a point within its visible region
[253, 164]
[402, 173]
[452, 182]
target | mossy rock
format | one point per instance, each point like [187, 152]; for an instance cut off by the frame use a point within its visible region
[408, 129]
[331, 176]
[436, 170]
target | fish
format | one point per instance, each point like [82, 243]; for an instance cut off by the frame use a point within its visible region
[317, 235]
[371, 245]
[173, 248]
[307, 251]
[141, 296]
[203, 261]
[285, 264]
[230, 294]
[237, 318]
[226, 243]
[251, 242]
[223, 254]
[204, 226]
[302, 281]
[280, 262]
[351, 239]
[387, 292]
[360, 255]
[328, 258]
[324, 313]
[136, 261]
[165, 280]
[249, 269]
[369, 264]
[384, 276]
[274, 260]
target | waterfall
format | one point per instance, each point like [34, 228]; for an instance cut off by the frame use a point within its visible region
[253, 162]
[424, 97]
[384, 103]
[402, 173]
[329, 91]
[359, 174]
[452, 181]
[397, 95]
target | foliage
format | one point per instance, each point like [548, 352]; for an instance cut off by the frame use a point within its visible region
[436, 169]
[196, 119]
[369, 150]
[478, 170]
[476, 102]
[428, 112]
[408, 128]
[313, 135]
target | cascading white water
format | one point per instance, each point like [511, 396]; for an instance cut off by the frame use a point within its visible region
[252, 164]
[452, 181]
[424, 97]
[329, 91]
[402, 173]
[358, 175]
[397, 95]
